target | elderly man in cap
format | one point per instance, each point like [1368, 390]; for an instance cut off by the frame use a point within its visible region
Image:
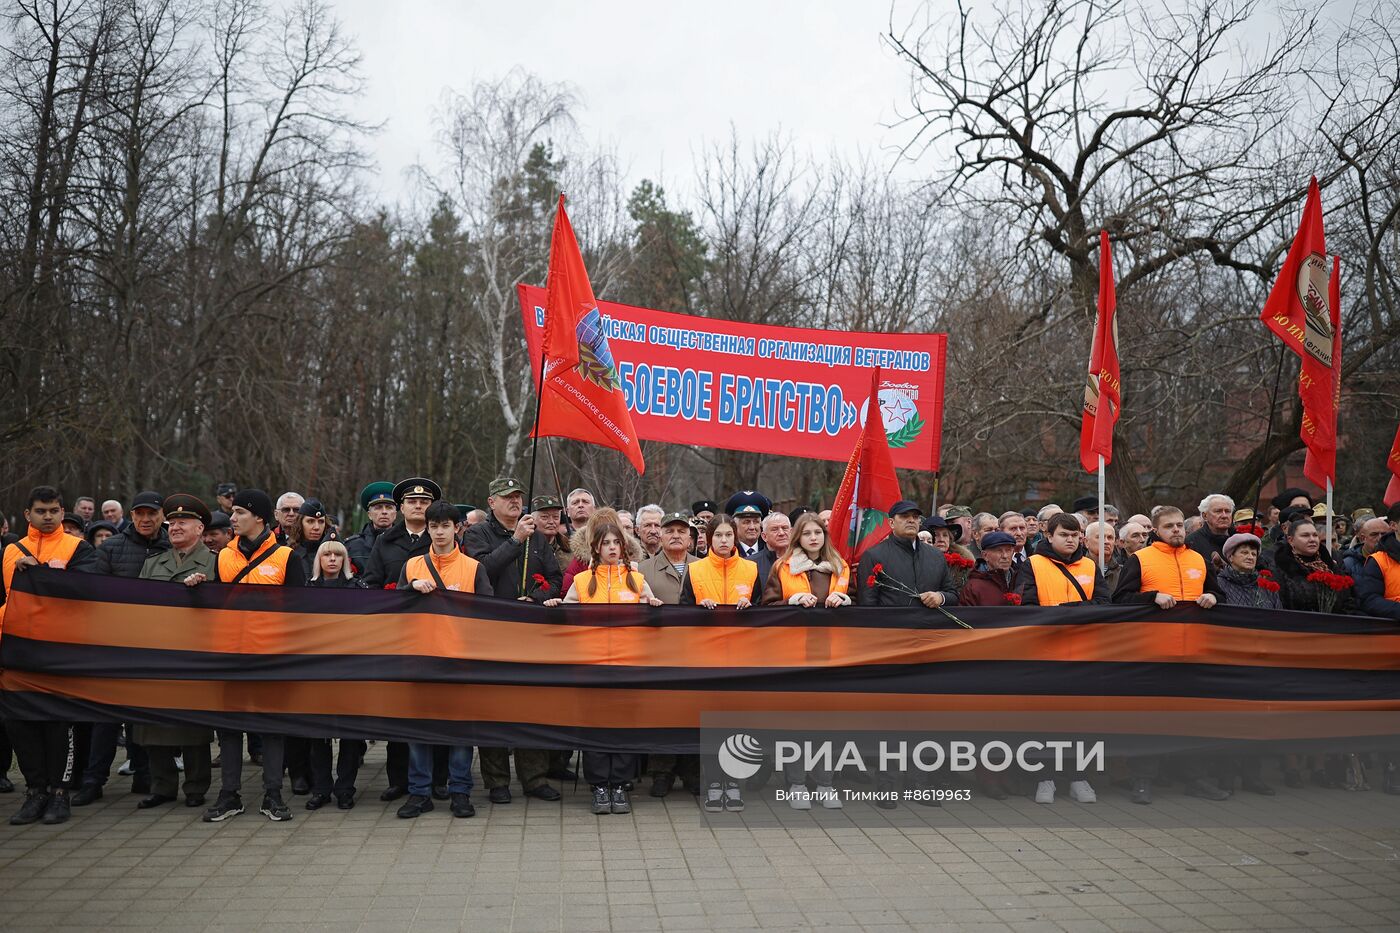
[549, 514]
[186, 517]
[377, 500]
[519, 561]
[123, 555]
[911, 573]
[748, 509]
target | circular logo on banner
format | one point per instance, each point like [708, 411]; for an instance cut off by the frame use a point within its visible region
[899, 411]
[740, 756]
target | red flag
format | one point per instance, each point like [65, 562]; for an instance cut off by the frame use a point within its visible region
[1300, 311]
[1319, 429]
[582, 397]
[860, 514]
[1103, 391]
[1392, 489]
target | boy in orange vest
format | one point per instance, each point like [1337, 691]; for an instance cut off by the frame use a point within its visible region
[444, 568]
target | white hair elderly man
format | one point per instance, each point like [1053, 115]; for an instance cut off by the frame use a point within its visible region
[1132, 537]
[649, 527]
[1209, 540]
[288, 513]
[776, 530]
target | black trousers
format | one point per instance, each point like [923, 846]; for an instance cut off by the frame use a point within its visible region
[45, 753]
[6, 753]
[347, 767]
[102, 751]
[298, 757]
[609, 769]
[397, 766]
[165, 777]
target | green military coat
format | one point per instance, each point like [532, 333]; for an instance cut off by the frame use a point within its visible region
[169, 565]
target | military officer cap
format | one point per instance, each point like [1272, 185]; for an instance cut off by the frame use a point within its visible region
[218, 520]
[226, 489]
[545, 502]
[462, 508]
[748, 502]
[416, 487]
[184, 505]
[1362, 515]
[377, 492]
[1320, 510]
[505, 485]
[312, 508]
[1085, 504]
[704, 505]
[676, 518]
[958, 511]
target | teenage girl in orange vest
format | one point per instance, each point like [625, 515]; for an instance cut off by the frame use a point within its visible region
[721, 577]
[609, 580]
[810, 573]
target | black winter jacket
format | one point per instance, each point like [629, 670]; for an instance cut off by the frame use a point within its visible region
[125, 553]
[919, 567]
[392, 549]
[360, 546]
[1297, 591]
[495, 547]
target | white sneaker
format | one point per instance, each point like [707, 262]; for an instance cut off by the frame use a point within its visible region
[1045, 792]
[733, 800]
[799, 798]
[1082, 792]
[714, 798]
[830, 799]
[126, 767]
[179, 762]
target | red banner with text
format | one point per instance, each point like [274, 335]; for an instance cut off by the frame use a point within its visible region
[778, 390]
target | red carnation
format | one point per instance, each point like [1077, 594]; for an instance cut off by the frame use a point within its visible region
[878, 569]
[1266, 572]
[870, 580]
[391, 586]
[1013, 599]
[541, 583]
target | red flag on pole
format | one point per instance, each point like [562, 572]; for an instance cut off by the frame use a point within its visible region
[1319, 430]
[860, 516]
[1103, 391]
[1392, 489]
[1300, 311]
[582, 396]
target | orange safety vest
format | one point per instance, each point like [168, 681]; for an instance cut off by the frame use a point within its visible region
[272, 571]
[612, 585]
[52, 550]
[1053, 588]
[1177, 571]
[724, 581]
[794, 583]
[1390, 572]
[458, 571]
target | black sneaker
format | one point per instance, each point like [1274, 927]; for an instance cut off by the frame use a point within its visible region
[225, 807]
[462, 806]
[714, 797]
[440, 792]
[499, 795]
[620, 801]
[543, 792]
[35, 803]
[87, 794]
[1142, 790]
[661, 784]
[300, 787]
[57, 811]
[345, 801]
[317, 801]
[415, 806]
[602, 800]
[393, 792]
[273, 808]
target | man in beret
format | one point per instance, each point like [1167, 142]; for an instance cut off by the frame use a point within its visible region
[748, 509]
[520, 562]
[377, 501]
[123, 555]
[186, 517]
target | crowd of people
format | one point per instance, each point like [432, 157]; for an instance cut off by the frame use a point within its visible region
[742, 554]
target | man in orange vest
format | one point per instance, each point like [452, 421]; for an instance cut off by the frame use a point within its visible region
[443, 569]
[1164, 573]
[253, 556]
[44, 749]
[1378, 584]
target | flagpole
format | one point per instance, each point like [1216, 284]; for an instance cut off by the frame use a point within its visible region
[1102, 521]
[1269, 431]
[1329, 515]
[534, 455]
[933, 509]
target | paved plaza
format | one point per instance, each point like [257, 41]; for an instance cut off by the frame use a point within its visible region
[534, 866]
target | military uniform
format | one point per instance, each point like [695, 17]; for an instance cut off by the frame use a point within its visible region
[192, 742]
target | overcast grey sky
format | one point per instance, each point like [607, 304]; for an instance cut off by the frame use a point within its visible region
[656, 80]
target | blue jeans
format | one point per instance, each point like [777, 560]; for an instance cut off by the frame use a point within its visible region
[420, 769]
